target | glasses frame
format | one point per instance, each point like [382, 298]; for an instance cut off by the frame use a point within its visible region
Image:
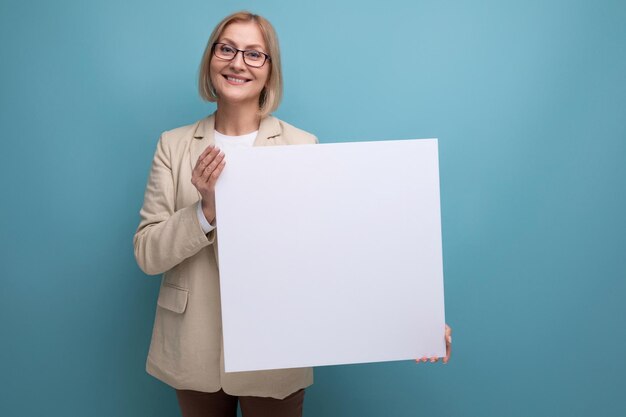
[243, 54]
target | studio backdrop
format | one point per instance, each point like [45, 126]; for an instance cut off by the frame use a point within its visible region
[527, 98]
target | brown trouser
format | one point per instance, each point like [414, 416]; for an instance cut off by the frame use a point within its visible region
[220, 404]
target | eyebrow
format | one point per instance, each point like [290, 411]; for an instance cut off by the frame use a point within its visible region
[254, 46]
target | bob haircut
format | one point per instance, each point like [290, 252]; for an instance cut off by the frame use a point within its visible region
[272, 93]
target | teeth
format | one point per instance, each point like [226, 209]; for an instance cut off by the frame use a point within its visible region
[236, 80]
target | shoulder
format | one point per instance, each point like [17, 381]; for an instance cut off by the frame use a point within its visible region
[296, 135]
[178, 138]
[181, 133]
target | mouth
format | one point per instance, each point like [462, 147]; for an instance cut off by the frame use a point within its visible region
[235, 80]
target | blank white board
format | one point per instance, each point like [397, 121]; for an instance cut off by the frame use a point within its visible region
[330, 254]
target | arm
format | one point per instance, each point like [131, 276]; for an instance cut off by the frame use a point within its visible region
[166, 237]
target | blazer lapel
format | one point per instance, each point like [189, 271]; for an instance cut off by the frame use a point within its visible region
[269, 132]
[203, 136]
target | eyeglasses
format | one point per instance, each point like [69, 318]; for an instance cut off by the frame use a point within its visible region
[251, 57]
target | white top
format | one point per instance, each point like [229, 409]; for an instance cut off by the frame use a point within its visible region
[224, 143]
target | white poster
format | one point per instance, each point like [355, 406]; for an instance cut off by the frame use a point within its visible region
[330, 254]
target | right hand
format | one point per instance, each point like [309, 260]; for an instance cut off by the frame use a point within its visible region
[204, 176]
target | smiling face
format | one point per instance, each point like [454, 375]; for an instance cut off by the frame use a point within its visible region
[234, 81]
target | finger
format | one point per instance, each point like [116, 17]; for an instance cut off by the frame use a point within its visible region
[434, 359]
[216, 173]
[208, 171]
[199, 170]
[204, 162]
[202, 156]
[448, 351]
[213, 159]
[424, 359]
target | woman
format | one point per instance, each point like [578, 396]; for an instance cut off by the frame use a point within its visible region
[241, 71]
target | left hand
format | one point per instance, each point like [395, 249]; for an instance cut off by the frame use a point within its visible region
[448, 349]
[204, 176]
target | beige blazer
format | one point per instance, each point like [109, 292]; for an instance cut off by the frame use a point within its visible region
[186, 347]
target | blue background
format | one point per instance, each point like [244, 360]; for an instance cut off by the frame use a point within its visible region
[528, 99]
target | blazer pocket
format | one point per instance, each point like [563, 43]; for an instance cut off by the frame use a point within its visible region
[173, 298]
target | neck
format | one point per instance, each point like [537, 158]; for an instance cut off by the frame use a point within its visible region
[237, 119]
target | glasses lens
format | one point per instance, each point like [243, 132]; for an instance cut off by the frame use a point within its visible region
[224, 51]
[254, 58]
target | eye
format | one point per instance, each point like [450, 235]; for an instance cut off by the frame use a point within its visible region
[254, 55]
[227, 49]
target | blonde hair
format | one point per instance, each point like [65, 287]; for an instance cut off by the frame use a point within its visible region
[272, 93]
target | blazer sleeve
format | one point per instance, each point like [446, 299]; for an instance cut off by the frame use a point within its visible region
[166, 237]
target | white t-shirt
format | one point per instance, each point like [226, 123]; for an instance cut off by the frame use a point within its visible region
[225, 143]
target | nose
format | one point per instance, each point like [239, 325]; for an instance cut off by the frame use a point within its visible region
[237, 62]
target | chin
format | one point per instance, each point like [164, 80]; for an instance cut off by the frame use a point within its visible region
[237, 100]
[229, 97]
